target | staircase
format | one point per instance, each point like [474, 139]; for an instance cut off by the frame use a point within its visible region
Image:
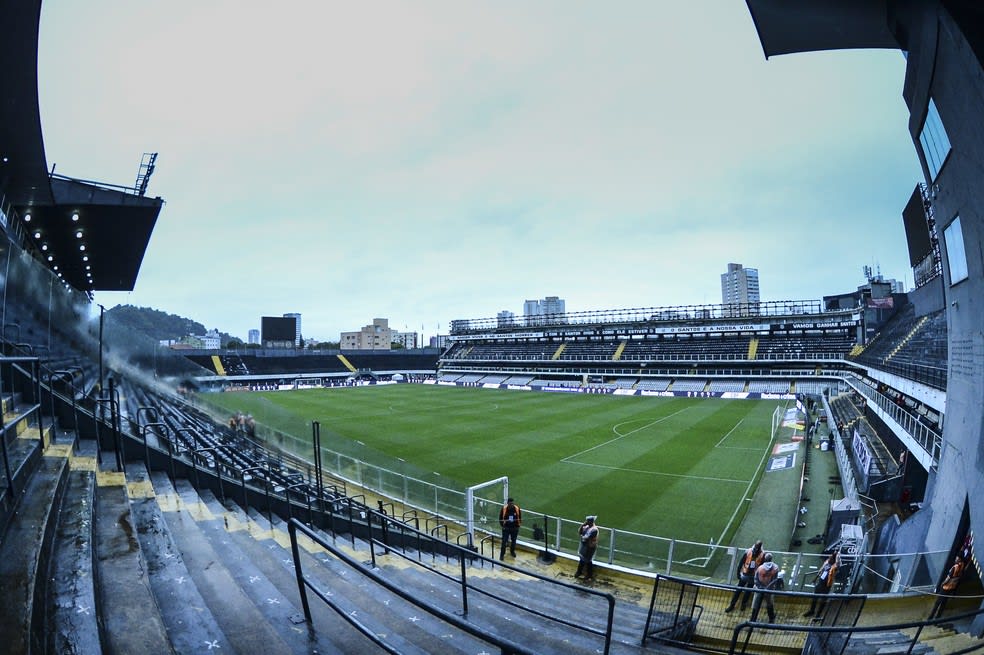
[906, 338]
[618, 351]
[346, 363]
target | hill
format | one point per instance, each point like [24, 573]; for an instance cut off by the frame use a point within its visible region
[157, 324]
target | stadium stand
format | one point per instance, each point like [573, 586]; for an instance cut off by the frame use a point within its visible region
[133, 522]
[910, 345]
[774, 386]
[726, 385]
[649, 384]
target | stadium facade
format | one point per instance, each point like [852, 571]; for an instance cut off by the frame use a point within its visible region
[943, 43]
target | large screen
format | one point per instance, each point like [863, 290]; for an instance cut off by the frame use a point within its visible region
[276, 328]
[916, 228]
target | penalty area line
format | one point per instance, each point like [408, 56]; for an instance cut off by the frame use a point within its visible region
[729, 433]
[622, 436]
[660, 473]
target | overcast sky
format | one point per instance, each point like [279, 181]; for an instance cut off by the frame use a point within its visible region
[427, 161]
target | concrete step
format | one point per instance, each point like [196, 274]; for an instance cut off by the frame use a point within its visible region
[130, 619]
[72, 618]
[24, 556]
[188, 621]
[245, 625]
[266, 566]
[281, 610]
[402, 624]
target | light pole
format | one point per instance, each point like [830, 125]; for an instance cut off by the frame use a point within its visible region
[102, 311]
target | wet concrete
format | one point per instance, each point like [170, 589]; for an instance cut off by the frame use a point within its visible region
[23, 556]
[130, 618]
[72, 622]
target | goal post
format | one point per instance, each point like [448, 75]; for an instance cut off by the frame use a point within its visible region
[482, 504]
[777, 418]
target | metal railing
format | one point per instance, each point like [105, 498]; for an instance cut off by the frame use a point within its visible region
[32, 412]
[677, 606]
[930, 440]
[383, 533]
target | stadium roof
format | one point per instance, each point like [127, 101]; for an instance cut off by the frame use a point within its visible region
[96, 237]
[785, 27]
[95, 234]
[23, 168]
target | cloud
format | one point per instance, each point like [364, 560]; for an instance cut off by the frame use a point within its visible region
[431, 161]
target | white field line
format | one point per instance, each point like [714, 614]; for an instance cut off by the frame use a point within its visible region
[729, 433]
[660, 473]
[744, 496]
[622, 436]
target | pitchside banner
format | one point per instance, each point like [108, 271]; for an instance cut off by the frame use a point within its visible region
[792, 419]
[734, 395]
[782, 462]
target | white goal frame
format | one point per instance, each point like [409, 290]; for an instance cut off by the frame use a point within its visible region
[470, 503]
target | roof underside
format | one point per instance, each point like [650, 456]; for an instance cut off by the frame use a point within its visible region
[112, 226]
[116, 223]
[786, 27]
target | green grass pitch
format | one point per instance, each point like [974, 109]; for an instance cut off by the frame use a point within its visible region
[674, 467]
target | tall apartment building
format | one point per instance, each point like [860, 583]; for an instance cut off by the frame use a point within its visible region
[740, 291]
[254, 336]
[539, 312]
[297, 328]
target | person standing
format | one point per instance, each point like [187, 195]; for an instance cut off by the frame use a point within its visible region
[746, 575]
[766, 576]
[510, 518]
[823, 583]
[586, 549]
[947, 587]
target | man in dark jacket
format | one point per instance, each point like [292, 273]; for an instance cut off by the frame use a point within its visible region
[510, 518]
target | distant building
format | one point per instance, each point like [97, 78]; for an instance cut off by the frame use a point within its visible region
[505, 318]
[377, 336]
[254, 336]
[405, 339]
[879, 299]
[208, 341]
[540, 312]
[439, 341]
[297, 327]
[740, 291]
